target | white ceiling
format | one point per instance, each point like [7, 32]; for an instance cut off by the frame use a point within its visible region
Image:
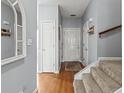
[68, 7]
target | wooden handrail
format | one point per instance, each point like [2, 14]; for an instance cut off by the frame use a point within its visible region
[108, 30]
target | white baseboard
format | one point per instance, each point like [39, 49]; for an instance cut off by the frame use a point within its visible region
[35, 91]
[70, 60]
[57, 72]
[76, 60]
[83, 62]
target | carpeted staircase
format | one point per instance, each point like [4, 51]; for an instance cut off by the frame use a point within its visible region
[104, 78]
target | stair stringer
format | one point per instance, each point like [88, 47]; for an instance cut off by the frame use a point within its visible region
[119, 90]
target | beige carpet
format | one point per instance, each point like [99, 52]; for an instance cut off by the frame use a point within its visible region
[103, 78]
[72, 66]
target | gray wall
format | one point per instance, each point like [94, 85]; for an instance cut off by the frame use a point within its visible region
[91, 12]
[109, 15]
[50, 12]
[105, 14]
[7, 43]
[22, 73]
[111, 44]
[71, 22]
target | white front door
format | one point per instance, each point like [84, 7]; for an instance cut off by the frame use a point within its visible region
[71, 44]
[47, 46]
[85, 44]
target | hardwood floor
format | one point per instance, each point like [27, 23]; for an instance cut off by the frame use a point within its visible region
[56, 83]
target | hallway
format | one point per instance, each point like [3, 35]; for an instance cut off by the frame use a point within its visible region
[40, 39]
[56, 83]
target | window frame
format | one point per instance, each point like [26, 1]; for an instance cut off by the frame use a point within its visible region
[23, 55]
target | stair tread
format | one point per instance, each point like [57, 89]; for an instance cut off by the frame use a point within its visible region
[90, 85]
[107, 84]
[79, 86]
[113, 69]
[115, 65]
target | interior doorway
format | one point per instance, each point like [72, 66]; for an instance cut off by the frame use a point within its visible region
[71, 44]
[46, 47]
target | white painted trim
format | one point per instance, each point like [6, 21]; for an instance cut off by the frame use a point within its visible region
[16, 28]
[70, 60]
[85, 28]
[11, 59]
[23, 27]
[35, 91]
[19, 26]
[109, 58]
[78, 76]
[16, 2]
[17, 57]
[57, 72]
[119, 90]
[39, 71]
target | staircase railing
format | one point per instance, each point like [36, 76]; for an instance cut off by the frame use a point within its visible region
[108, 30]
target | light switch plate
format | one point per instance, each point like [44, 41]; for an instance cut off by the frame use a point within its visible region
[29, 42]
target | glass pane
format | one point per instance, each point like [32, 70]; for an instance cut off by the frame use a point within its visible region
[20, 48]
[19, 33]
[7, 30]
[19, 16]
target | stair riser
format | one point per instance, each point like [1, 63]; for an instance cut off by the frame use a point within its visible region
[100, 82]
[109, 72]
[90, 85]
[79, 87]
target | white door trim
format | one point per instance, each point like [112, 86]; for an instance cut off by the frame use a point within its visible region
[85, 28]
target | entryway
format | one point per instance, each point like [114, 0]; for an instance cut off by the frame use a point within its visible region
[71, 44]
